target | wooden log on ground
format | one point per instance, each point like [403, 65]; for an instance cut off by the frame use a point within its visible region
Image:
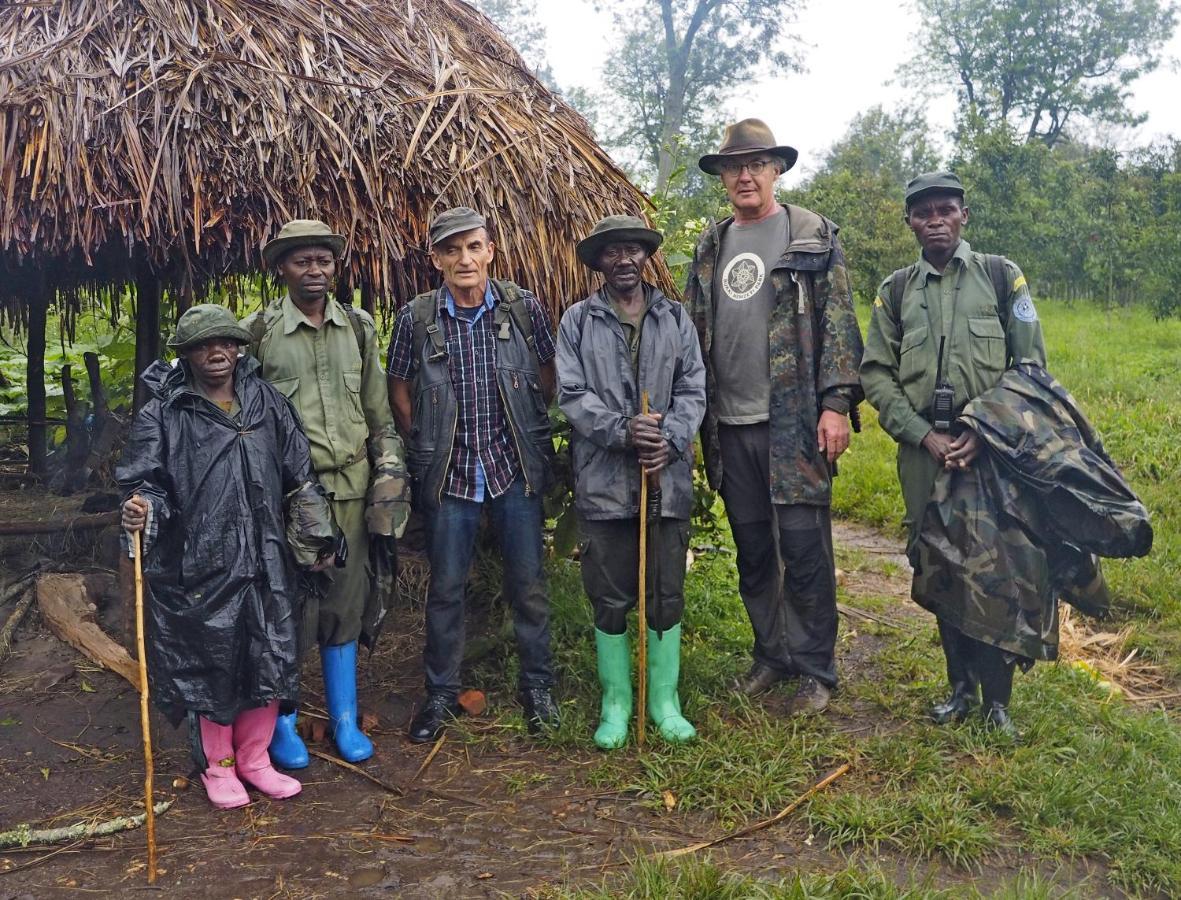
[23, 835]
[14, 620]
[51, 526]
[68, 612]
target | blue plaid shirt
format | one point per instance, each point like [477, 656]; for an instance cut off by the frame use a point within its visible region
[483, 459]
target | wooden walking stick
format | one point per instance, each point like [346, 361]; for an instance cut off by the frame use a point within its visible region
[641, 604]
[144, 720]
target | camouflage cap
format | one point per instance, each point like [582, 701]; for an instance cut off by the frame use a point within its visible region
[301, 233]
[933, 183]
[614, 230]
[454, 221]
[205, 322]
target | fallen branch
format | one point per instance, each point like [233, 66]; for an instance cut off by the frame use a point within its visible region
[14, 620]
[23, 835]
[766, 823]
[429, 757]
[392, 788]
[51, 526]
[857, 612]
[67, 610]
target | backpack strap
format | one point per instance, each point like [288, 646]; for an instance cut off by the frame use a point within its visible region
[1000, 285]
[358, 329]
[898, 288]
[512, 305]
[426, 328]
[259, 329]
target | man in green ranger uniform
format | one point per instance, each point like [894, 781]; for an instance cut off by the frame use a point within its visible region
[324, 358]
[977, 308]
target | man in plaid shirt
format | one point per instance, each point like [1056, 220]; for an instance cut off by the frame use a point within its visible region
[471, 375]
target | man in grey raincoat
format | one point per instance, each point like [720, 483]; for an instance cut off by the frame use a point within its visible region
[624, 339]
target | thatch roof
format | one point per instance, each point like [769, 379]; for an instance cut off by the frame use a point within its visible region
[179, 135]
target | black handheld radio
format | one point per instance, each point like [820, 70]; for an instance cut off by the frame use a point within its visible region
[943, 401]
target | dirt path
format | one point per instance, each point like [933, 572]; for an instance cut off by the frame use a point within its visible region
[493, 817]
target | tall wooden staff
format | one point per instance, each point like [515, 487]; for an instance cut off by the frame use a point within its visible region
[144, 720]
[641, 605]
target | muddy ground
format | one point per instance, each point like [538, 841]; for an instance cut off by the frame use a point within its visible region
[487, 818]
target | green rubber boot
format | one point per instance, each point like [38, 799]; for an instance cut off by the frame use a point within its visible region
[615, 678]
[664, 669]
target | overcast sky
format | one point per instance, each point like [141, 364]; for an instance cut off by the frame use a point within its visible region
[853, 51]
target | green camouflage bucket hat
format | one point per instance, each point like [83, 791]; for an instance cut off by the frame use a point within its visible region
[203, 323]
[301, 233]
[617, 230]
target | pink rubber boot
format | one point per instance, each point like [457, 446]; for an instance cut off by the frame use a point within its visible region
[252, 735]
[221, 783]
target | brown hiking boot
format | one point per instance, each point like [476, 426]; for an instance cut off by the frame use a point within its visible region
[810, 698]
[758, 680]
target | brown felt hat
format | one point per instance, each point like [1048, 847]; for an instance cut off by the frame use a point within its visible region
[301, 233]
[617, 230]
[747, 136]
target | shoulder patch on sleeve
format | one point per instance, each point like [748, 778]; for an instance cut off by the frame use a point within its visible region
[1019, 283]
[1023, 308]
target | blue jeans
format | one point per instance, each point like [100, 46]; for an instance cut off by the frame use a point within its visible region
[452, 530]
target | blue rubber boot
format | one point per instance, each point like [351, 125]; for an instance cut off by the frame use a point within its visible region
[287, 748]
[340, 686]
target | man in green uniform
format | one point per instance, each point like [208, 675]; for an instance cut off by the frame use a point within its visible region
[324, 358]
[953, 321]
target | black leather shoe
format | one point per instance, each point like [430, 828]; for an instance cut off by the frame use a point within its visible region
[996, 716]
[541, 712]
[759, 680]
[436, 713]
[956, 707]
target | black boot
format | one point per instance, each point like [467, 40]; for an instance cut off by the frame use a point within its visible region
[996, 686]
[961, 675]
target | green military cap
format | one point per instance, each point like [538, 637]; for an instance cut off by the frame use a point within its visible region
[742, 138]
[617, 230]
[456, 220]
[933, 183]
[203, 323]
[301, 233]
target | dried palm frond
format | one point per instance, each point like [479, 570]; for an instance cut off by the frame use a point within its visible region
[178, 136]
[1107, 657]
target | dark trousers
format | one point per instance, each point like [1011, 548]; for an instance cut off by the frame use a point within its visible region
[451, 535]
[610, 557]
[786, 570]
[971, 662]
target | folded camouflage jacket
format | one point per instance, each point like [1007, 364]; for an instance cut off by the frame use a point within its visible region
[1002, 542]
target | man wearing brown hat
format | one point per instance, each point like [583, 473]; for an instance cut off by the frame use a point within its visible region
[471, 376]
[769, 294]
[943, 331]
[623, 340]
[324, 358]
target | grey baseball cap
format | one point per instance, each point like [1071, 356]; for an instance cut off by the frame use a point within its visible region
[454, 221]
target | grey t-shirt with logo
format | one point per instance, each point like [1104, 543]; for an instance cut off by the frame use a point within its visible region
[743, 299]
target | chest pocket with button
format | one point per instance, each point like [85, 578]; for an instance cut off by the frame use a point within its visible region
[988, 346]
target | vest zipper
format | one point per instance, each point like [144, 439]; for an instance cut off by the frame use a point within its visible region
[512, 427]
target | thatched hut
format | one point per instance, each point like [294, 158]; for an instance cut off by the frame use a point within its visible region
[158, 144]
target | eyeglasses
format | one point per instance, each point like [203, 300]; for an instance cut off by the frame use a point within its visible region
[754, 166]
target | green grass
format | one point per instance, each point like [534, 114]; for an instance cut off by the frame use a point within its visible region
[1093, 779]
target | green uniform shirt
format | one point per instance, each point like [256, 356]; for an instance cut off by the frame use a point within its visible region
[901, 351]
[632, 328]
[341, 398]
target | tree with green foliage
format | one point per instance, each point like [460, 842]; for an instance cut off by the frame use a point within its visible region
[1041, 65]
[860, 186]
[674, 65]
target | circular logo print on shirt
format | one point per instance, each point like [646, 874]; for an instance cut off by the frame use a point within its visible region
[743, 277]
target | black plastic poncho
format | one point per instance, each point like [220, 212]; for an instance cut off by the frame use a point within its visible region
[222, 614]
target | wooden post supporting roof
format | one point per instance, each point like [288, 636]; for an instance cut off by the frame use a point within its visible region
[35, 374]
[147, 328]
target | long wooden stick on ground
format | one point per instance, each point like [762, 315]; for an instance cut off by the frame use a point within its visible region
[145, 723]
[765, 823]
[11, 623]
[641, 600]
[23, 835]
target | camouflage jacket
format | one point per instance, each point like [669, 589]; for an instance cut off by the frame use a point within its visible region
[1001, 542]
[815, 351]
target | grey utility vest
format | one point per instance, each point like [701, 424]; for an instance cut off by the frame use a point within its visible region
[436, 410]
